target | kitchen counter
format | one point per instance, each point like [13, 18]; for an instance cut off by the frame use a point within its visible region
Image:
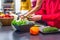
[6, 33]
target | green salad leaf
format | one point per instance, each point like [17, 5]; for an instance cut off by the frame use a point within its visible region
[19, 22]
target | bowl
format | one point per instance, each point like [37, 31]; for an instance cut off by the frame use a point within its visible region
[23, 28]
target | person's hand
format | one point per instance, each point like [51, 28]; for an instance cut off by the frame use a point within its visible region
[35, 18]
[21, 16]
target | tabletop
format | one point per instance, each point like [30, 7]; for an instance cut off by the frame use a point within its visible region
[6, 33]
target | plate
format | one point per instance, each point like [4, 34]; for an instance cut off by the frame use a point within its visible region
[41, 28]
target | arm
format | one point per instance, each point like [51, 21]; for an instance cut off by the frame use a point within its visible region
[38, 5]
[48, 17]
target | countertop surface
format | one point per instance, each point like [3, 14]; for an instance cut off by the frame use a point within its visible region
[6, 33]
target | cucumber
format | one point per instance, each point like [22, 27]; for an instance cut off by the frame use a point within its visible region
[50, 29]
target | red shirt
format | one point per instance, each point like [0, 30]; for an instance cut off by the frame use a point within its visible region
[50, 11]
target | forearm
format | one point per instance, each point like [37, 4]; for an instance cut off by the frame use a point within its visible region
[33, 10]
[37, 7]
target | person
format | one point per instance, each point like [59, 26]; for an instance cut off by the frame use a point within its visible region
[25, 6]
[49, 13]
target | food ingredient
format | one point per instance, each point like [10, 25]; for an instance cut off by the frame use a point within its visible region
[34, 30]
[19, 22]
[50, 29]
